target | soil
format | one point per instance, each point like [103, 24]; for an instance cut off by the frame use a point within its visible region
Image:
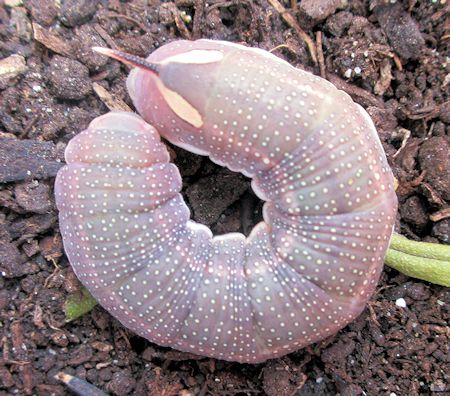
[389, 56]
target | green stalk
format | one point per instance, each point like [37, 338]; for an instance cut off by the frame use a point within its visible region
[422, 260]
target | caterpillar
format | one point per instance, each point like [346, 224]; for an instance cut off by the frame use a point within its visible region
[314, 157]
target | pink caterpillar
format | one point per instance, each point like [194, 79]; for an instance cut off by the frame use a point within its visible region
[314, 157]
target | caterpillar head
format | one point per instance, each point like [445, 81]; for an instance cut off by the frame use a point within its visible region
[171, 89]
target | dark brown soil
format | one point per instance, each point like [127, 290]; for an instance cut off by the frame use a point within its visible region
[389, 57]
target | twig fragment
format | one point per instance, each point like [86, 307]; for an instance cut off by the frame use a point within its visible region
[79, 386]
[290, 20]
[51, 41]
[110, 102]
[320, 56]
[440, 215]
[406, 135]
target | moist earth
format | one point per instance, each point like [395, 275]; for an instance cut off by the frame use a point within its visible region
[389, 56]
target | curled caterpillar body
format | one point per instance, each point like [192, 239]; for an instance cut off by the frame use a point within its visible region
[315, 158]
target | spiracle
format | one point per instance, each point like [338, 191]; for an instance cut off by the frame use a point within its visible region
[314, 157]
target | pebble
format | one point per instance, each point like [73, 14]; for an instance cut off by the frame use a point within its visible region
[21, 24]
[401, 29]
[69, 78]
[444, 112]
[77, 12]
[34, 197]
[43, 11]
[11, 68]
[338, 23]
[87, 37]
[311, 12]
[434, 159]
[122, 383]
[414, 212]
[441, 230]
[400, 302]
[27, 159]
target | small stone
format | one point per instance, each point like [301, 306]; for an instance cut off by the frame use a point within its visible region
[43, 11]
[87, 37]
[414, 212]
[28, 227]
[311, 12]
[402, 31]
[77, 12]
[11, 68]
[10, 260]
[69, 78]
[400, 302]
[444, 112]
[6, 379]
[435, 161]
[338, 23]
[441, 231]
[102, 346]
[60, 339]
[34, 197]
[80, 355]
[439, 386]
[31, 248]
[418, 291]
[122, 383]
[105, 374]
[27, 159]
[21, 24]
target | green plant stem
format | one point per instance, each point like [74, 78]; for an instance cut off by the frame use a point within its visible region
[422, 260]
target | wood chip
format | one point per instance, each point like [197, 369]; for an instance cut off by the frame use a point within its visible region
[440, 215]
[110, 101]
[320, 56]
[384, 82]
[406, 134]
[52, 41]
